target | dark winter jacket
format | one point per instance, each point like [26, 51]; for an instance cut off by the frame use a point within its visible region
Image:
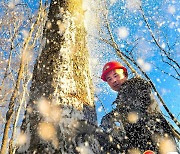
[139, 117]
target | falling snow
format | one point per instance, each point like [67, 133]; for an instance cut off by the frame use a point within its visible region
[131, 35]
[133, 4]
[144, 65]
[171, 9]
[123, 32]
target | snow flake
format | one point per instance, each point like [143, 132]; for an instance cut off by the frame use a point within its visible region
[122, 45]
[48, 25]
[144, 65]
[171, 9]
[160, 23]
[49, 111]
[147, 67]
[94, 61]
[110, 138]
[86, 143]
[100, 109]
[22, 139]
[158, 80]
[118, 146]
[140, 61]
[84, 149]
[44, 107]
[25, 33]
[166, 145]
[133, 4]
[172, 25]
[133, 117]
[140, 23]
[165, 91]
[113, 2]
[163, 45]
[123, 32]
[95, 99]
[11, 5]
[134, 151]
[46, 131]
[62, 27]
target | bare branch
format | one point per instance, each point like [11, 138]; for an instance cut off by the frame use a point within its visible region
[156, 42]
[166, 72]
[15, 91]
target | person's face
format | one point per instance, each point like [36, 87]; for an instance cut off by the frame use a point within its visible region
[115, 79]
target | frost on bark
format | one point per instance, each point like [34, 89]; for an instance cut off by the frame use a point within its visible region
[61, 96]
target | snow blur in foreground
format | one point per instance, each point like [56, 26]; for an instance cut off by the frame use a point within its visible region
[84, 149]
[49, 111]
[22, 139]
[167, 146]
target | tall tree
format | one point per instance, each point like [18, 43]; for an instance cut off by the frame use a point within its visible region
[61, 81]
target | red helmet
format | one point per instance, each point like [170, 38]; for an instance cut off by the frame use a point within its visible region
[148, 152]
[111, 66]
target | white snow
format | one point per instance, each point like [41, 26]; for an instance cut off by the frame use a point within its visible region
[171, 9]
[144, 65]
[163, 45]
[113, 2]
[133, 4]
[22, 139]
[100, 109]
[123, 32]
[25, 33]
[84, 149]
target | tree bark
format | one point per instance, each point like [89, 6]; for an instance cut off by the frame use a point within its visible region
[61, 77]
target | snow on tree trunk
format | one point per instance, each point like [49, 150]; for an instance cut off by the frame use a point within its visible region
[61, 92]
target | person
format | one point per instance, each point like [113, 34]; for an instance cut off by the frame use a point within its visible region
[141, 125]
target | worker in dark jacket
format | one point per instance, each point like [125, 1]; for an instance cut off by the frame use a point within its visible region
[137, 112]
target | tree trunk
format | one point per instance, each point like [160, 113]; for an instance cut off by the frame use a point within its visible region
[61, 92]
